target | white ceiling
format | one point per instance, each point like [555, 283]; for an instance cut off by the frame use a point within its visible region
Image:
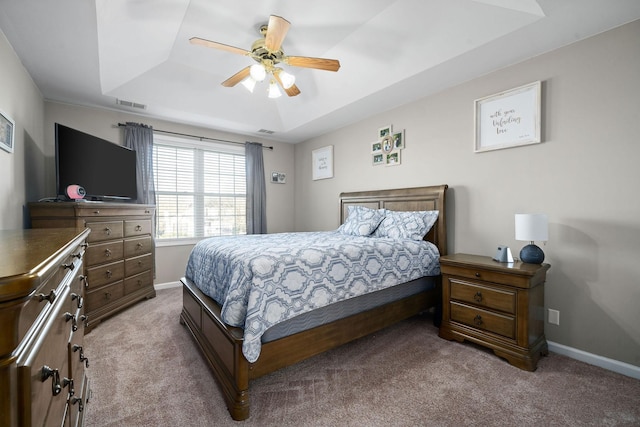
[92, 52]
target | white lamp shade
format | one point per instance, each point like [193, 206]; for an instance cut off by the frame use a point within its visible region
[249, 83]
[532, 227]
[287, 79]
[257, 72]
[274, 92]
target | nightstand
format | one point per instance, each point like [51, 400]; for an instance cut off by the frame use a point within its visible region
[496, 305]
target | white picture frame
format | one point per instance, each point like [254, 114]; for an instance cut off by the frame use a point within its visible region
[7, 132]
[322, 163]
[508, 119]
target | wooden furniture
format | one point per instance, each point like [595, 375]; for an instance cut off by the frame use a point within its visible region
[42, 362]
[120, 258]
[496, 305]
[222, 344]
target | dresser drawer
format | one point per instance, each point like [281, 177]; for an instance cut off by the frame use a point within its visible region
[99, 253]
[482, 319]
[104, 295]
[139, 281]
[137, 246]
[42, 369]
[486, 275]
[483, 296]
[137, 227]
[99, 276]
[107, 230]
[138, 264]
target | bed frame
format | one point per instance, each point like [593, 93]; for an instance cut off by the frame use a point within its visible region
[221, 344]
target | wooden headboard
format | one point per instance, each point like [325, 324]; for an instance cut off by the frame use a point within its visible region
[405, 199]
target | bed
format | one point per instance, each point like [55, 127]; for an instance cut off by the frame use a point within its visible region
[236, 355]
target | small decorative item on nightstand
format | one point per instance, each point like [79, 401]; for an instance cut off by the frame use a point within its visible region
[496, 305]
[532, 227]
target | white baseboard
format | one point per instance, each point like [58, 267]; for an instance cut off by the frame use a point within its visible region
[593, 359]
[168, 285]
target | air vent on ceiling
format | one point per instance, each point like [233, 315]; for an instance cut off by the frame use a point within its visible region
[267, 131]
[131, 104]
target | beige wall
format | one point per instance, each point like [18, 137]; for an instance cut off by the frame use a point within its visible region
[171, 260]
[584, 176]
[21, 176]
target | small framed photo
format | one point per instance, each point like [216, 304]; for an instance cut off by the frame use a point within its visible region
[376, 147]
[278, 178]
[7, 132]
[393, 158]
[322, 163]
[384, 131]
[378, 159]
[398, 140]
[387, 144]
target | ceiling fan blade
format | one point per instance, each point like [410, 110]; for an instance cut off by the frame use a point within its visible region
[291, 91]
[237, 77]
[318, 63]
[276, 31]
[216, 45]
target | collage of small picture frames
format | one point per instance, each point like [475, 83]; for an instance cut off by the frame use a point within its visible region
[386, 150]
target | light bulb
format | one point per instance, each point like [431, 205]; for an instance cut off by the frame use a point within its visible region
[274, 92]
[287, 79]
[249, 83]
[257, 72]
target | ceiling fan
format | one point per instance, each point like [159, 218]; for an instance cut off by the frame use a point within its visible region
[268, 53]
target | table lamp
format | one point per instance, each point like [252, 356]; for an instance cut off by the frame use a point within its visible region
[530, 228]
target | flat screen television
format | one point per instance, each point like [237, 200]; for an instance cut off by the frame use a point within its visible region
[107, 171]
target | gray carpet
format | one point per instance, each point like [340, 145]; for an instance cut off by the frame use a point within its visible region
[146, 371]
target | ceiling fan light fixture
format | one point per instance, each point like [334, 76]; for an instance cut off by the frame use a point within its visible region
[258, 72]
[274, 92]
[287, 79]
[249, 83]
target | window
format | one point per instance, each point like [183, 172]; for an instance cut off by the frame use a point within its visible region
[200, 189]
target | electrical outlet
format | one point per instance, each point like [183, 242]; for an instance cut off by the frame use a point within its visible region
[554, 317]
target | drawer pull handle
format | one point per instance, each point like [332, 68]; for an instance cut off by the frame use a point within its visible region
[139, 263]
[478, 297]
[51, 297]
[477, 274]
[84, 280]
[74, 297]
[139, 245]
[107, 231]
[138, 227]
[74, 325]
[107, 253]
[108, 273]
[477, 320]
[68, 382]
[69, 266]
[47, 372]
[139, 282]
[97, 212]
[78, 255]
[78, 400]
[84, 359]
[107, 295]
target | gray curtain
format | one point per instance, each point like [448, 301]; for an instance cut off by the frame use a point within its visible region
[139, 137]
[256, 189]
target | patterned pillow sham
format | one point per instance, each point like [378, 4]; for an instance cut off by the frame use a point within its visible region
[361, 221]
[406, 225]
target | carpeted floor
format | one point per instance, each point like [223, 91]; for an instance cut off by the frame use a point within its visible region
[146, 371]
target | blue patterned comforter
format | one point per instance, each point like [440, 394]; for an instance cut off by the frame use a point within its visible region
[260, 280]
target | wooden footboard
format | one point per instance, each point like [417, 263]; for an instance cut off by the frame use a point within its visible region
[222, 345]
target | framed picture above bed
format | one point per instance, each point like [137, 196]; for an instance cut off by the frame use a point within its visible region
[508, 119]
[322, 163]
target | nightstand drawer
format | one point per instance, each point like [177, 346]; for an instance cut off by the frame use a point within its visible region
[483, 319]
[487, 275]
[483, 296]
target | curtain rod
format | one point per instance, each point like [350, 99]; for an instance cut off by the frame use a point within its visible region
[201, 138]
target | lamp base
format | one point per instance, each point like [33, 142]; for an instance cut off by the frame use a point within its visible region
[532, 254]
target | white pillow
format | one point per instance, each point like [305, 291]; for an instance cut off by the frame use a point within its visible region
[361, 221]
[406, 225]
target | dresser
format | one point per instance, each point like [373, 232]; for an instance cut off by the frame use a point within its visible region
[42, 361]
[496, 305]
[119, 261]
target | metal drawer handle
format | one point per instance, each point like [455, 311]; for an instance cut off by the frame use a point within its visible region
[74, 324]
[107, 253]
[107, 230]
[138, 227]
[84, 280]
[478, 297]
[46, 373]
[477, 320]
[51, 297]
[107, 295]
[78, 400]
[97, 212]
[75, 296]
[477, 274]
[139, 245]
[109, 273]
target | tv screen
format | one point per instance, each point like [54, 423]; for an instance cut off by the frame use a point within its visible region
[106, 171]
